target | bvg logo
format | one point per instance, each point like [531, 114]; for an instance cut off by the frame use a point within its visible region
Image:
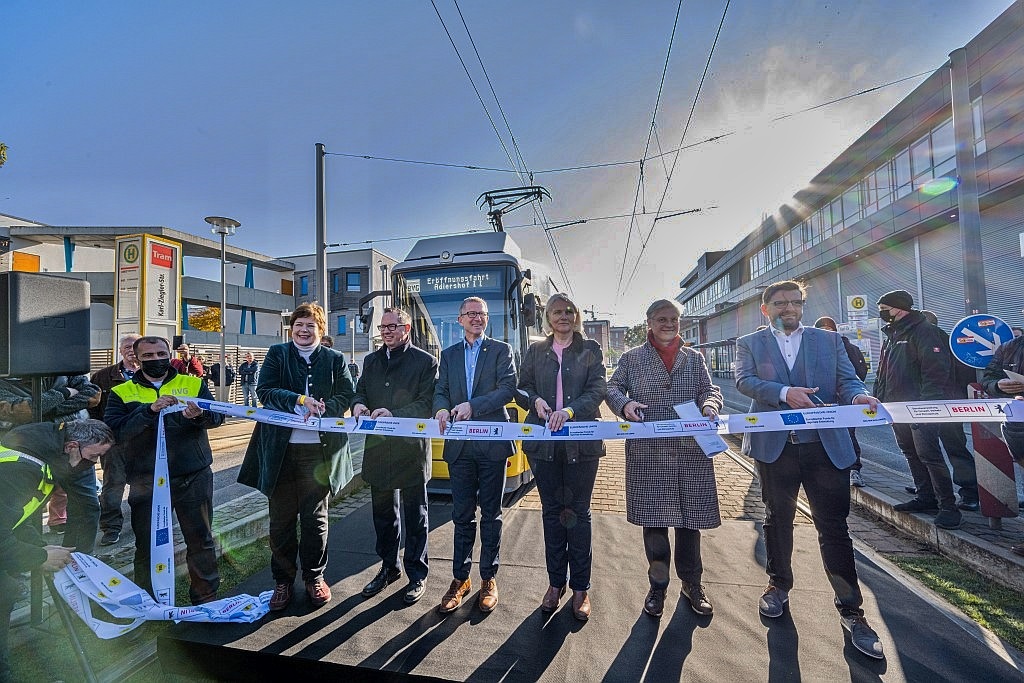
[752, 419]
[160, 567]
[624, 426]
[870, 413]
[526, 429]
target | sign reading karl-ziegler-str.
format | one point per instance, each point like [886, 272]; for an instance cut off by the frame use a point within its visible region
[148, 295]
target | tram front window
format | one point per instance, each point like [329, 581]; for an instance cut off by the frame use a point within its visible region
[433, 298]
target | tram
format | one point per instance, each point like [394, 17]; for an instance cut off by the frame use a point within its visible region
[432, 282]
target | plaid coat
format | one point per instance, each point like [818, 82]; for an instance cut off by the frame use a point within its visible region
[669, 482]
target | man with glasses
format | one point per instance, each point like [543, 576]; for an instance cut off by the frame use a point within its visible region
[477, 377]
[397, 381]
[791, 367]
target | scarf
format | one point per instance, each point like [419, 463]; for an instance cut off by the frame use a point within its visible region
[666, 351]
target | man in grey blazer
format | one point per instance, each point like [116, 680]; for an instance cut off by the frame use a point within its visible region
[790, 367]
[476, 378]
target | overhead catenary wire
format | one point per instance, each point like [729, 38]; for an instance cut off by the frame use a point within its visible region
[647, 145]
[632, 162]
[675, 159]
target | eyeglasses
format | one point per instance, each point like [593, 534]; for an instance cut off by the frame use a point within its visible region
[569, 311]
[390, 327]
[474, 314]
[799, 303]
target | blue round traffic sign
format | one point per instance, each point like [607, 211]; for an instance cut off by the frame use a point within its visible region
[975, 338]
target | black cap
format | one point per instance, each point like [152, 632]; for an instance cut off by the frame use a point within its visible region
[898, 298]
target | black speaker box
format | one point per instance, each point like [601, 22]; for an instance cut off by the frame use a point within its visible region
[44, 325]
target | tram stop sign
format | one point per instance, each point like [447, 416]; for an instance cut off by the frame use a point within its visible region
[975, 338]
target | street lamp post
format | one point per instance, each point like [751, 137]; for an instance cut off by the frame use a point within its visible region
[223, 227]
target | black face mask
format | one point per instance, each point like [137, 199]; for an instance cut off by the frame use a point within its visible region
[156, 368]
[82, 466]
[887, 316]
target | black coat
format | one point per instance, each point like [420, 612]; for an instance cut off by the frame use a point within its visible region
[404, 384]
[915, 361]
[583, 390]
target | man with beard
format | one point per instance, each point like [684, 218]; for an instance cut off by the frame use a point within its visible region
[32, 458]
[792, 367]
[132, 411]
[397, 381]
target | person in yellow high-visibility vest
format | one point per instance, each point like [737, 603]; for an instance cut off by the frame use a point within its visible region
[32, 458]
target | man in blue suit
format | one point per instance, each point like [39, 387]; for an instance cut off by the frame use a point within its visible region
[477, 377]
[789, 367]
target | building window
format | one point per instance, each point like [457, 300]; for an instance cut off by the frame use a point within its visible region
[706, 296]
[944, 148]
[883, 185]
[304, 285]
[335, 283]
[835, 222]
[901, 174]
[851, 206]
[342, 324]
[352, 282]
[921, 161]
[978, 120]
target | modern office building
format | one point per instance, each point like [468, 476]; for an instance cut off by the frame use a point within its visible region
[930, 199]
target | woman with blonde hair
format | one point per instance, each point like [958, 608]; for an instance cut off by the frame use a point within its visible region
[563, 379]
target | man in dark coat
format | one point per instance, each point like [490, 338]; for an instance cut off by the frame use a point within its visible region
[860, 366]
[397, 381]
[914, 365]
[32, 457]
[113, 461]
[476, 378]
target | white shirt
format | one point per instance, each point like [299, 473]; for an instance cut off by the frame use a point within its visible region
[789, 347]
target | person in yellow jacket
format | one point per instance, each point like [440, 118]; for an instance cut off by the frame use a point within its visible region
[132, 412]
[32, 458]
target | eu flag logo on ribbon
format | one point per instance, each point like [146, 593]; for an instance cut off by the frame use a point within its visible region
[368, 425]
[564, 431]
[163, 536]
[793, 419]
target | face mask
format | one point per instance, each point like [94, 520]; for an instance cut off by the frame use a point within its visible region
[82, 466]
[156, 368]
[887, 316]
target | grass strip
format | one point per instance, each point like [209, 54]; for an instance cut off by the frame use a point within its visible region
[997, 608]
[47, 654]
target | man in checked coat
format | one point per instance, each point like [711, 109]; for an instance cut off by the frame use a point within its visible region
[789, 367]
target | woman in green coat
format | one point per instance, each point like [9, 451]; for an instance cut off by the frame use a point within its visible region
[297, 469]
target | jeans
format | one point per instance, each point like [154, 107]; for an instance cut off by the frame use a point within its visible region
[828, 492]
[114, 482]
[954, 442]
[477, 478]
[298, 494]
[192, 501]
[920, 445]
[689, 567]
[83, 512]
[249, 391]
[565, 490]
[387, 523]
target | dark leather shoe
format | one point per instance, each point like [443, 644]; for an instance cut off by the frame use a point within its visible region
[110, 537]
[949, 519]
[488, 595]
[413, 592]
[910, 489]
[1017, 550]
[384, 578]
[453, 598]
[281, 598]
[551, 598]
[580, 605]
[971, 505]
[654, 603]
[319, 592]
[694, 592]
[917, 505]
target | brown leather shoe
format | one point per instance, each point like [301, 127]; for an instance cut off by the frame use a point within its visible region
[551, 597]
[281, 598]
[580, 605]
[488, 595]
[453, 598]
[319, 592]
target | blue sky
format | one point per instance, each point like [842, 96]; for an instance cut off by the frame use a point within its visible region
[144, 113]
